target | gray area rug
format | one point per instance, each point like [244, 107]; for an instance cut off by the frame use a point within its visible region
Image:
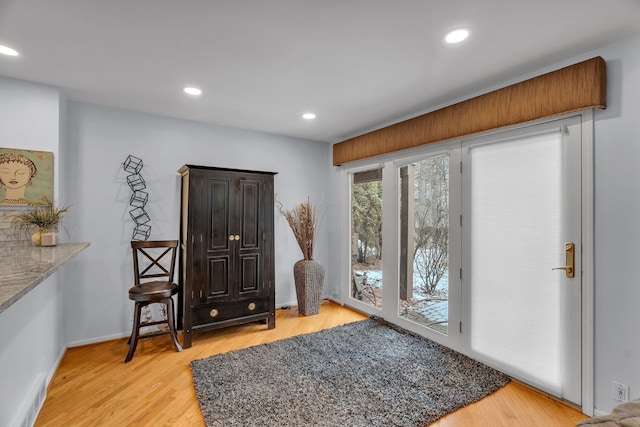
[366, 373]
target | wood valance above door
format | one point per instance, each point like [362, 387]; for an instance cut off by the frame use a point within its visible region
[577, 87]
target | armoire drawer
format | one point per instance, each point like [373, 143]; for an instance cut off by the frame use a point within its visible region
[226, 310]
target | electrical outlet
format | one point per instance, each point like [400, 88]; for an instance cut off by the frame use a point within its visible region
[620, 392]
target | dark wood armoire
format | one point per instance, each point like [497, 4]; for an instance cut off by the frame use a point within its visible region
[226, 269]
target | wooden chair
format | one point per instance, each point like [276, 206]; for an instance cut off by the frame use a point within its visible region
[153, 260]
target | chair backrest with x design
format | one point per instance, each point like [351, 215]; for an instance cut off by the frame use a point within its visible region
[151, 262]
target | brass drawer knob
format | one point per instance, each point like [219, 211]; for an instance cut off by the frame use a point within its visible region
[214, 312]
[252, 306]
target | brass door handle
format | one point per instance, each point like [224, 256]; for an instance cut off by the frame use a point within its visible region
[569, 252]
[567, 269]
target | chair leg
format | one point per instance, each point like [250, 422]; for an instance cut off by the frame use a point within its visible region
[135, 332]
[172, 325]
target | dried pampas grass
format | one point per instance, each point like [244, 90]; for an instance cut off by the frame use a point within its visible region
[302, 219]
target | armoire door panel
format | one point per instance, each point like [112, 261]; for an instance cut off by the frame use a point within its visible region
[219, 208]
[249, 272]
[250, 213]
[218, 277]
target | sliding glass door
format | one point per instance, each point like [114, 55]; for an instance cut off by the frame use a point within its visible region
[480, 242]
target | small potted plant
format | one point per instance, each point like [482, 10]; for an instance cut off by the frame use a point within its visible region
[46, 217]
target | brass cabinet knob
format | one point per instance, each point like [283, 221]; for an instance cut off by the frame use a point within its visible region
[252, 306]
[214, 312]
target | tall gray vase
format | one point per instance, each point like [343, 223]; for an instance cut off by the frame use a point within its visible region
[308, 276]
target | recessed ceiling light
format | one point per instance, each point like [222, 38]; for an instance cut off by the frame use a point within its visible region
[457, 35]
[5, 50]
[308, 116]
[192, 90]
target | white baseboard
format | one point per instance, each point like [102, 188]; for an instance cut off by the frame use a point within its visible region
[97, 339]
[79, 343]
[336, 300]
[295, 303]
[287, 304]
[55, 366]
[599, 413]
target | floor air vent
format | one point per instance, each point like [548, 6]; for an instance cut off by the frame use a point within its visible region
[33, 402]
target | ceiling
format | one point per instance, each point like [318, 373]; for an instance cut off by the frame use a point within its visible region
[357, 64]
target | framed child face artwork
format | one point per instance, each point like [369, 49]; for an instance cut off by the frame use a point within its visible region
[26, 177]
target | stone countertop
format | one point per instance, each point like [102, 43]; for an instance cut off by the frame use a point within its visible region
[22, 268]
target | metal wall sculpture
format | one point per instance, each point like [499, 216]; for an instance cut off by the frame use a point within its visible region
[139, 198]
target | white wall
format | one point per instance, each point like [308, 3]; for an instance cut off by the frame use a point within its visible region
[617, 217]
[99, 140]
[31, 330]
[617, 236]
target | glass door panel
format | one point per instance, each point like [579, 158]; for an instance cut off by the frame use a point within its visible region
[424, 243]
[366, 237]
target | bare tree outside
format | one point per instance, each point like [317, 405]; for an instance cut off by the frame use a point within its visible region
[424, 242]
[431, 234]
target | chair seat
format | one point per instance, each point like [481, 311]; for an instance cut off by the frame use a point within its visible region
[153, 291]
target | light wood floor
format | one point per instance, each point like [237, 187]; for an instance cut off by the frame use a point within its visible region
[94, 387]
